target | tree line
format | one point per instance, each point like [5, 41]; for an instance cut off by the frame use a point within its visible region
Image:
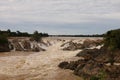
[95, 35]
[9, 33]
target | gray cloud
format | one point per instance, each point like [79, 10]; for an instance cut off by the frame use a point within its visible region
[16, 12]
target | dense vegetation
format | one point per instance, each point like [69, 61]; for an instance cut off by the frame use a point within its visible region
[3, 39]
[112, 42]
[36, 36]
[9, 33]
[4, 44]
[4, 35]
[112, 39]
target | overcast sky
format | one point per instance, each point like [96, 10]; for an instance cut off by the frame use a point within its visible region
[60, 16]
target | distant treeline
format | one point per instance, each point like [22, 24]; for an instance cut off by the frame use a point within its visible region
[9, 33]
[95, 35]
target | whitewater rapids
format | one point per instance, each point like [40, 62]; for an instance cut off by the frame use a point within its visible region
[37, 66]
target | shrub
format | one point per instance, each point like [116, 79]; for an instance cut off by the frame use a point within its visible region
[94, 78]
[112, 42]
[101, 76]
[112, 39]
[3, 39]
[36, 36]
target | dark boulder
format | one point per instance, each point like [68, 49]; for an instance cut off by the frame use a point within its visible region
[88, 53]
[72, 65]
[63, 65]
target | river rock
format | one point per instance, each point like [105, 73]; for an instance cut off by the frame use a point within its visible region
[113, 72]
[88, 43]
[63, 65]
[88, 53]
[26, 45]
[89, 69]
[36, 48]
[71, 46]
[17, 45]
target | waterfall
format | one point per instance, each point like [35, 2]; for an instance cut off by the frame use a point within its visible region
[26, 45]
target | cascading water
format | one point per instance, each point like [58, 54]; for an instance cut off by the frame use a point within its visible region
[19, 45]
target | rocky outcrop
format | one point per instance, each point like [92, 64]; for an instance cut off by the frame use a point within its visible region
[36, 48]
[17, 46]
[95, 66]
[92, 69]
[88, 53]
[108, 57]
[27, 45]
[71, 46]
[72, 65]
[89, 69]
[91, 43]
[117, 56]
[63, 65]
[113, 72]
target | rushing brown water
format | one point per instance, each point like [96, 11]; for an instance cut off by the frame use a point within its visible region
[37, 66]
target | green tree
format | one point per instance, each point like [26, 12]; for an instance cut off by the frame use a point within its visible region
[3, 39]
[9, 31]
[36, 36]
[112, 42]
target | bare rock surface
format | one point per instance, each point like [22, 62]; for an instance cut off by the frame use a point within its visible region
[71, 46]
[96, 64]
[85, 44]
